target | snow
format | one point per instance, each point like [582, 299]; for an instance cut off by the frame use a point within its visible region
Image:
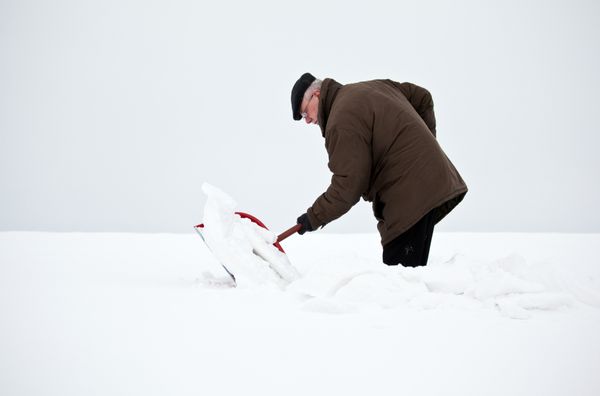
[115, 313]
[244, 248]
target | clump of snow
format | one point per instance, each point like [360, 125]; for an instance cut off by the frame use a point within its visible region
[245, 249]
[457, 283]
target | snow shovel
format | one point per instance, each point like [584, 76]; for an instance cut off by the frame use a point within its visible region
[256, 221]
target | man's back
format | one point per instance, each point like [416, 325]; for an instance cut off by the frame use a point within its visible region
[380, 147]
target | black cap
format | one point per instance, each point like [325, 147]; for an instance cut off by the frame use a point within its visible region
[298, 93]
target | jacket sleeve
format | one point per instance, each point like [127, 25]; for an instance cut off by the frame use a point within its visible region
[350, 162]
[421, 100]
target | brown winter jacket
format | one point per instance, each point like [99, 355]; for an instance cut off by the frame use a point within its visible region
[380, 137]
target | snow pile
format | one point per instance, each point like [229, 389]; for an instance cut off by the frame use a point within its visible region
[242, 247]
[509, 284]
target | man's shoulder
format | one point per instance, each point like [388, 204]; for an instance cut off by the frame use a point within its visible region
[371, 84]
[378, 86]
[363, 92]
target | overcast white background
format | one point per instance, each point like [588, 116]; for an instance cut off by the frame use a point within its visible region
[113, 113]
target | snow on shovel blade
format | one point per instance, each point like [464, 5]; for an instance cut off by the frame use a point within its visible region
[245, 247]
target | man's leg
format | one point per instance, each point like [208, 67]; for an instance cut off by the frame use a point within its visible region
[411, 249]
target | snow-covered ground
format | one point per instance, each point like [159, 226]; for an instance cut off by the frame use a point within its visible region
[125, 314]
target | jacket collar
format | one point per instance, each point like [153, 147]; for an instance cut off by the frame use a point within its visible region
[329, 90]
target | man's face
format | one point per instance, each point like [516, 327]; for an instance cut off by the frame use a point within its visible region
[310, 108]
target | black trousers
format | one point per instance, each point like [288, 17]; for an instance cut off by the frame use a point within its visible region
[411, 249]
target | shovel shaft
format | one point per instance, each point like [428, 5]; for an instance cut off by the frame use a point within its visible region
[289, 232]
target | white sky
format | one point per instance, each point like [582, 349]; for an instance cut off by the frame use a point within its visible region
[113, 113]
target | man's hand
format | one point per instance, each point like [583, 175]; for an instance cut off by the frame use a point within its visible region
[305, 223]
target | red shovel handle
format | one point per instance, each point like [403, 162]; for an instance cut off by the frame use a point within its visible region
[289, 232]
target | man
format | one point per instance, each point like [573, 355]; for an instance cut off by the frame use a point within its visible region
[380, 137]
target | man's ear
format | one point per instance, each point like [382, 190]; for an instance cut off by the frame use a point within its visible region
[317, 93]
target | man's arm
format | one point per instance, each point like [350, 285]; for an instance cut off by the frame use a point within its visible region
[350, 163]
[421, 100]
